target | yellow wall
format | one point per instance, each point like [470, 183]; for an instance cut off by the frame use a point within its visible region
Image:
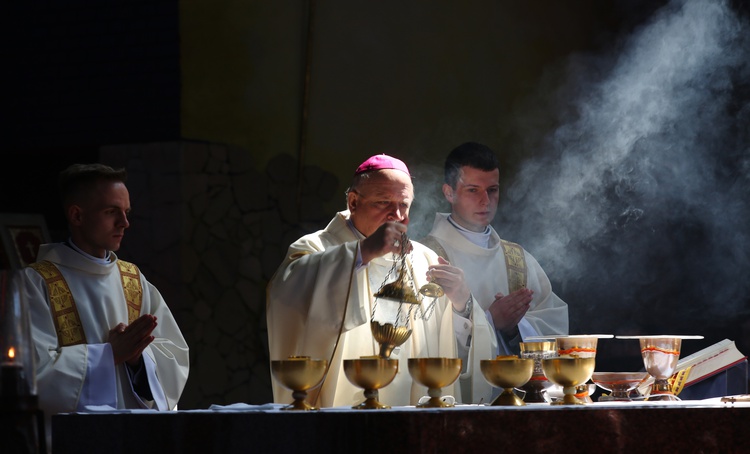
[410, 78]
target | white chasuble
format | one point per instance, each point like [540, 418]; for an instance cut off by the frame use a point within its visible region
[64, 373]
[320, 305]
[486, 274]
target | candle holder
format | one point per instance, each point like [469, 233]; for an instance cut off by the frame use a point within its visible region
[21, 420]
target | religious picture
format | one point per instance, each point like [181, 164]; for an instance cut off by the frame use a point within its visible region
[22, 234]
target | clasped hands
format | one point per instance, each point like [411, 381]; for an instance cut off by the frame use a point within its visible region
[508, 310]
[129, 341]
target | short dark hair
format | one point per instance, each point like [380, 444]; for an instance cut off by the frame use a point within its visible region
[78, 180]
[471, 154]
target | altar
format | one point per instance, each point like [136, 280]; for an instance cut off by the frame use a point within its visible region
[710, 425]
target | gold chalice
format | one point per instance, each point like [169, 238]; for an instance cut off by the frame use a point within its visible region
[299, 374]
[568, 372]
[507, 372]
[579, 346]
[538, 383]
[435, 374]
[619, 384]
[371, 374]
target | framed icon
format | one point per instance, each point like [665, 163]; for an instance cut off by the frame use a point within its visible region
[22, 234]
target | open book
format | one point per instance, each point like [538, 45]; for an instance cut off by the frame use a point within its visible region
[701, 365]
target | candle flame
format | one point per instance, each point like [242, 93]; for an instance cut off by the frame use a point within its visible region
[11, 352]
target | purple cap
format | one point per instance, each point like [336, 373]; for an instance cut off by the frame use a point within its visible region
[382, 161]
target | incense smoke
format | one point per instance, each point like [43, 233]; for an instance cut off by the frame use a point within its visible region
[636, 204]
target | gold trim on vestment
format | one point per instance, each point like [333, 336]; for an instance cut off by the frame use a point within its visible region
[131, 286]
[63, 307]
[515, 262]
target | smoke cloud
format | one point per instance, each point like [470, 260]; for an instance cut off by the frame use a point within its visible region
[636, 203]
[634, 178]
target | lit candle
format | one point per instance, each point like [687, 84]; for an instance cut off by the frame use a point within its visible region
[11, 377]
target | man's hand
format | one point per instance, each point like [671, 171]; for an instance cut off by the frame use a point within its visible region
[129, 341]
[387, 238]
[452, 280]
[507, 311]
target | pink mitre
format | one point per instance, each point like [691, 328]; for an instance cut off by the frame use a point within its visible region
[380, 162]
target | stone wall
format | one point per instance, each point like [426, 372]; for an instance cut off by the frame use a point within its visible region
[209, 230]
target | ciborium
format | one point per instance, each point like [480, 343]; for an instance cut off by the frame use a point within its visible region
[299, 374]
[435, 374]
[507, 372]
[660, 355]
[569, 373]
[538, 383]
[371, 374]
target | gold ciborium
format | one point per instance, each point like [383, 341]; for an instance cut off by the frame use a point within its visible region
[507, 372]
[299, 374]
[435, 374]
[371, 374]
[538, 383]
[569, 373]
